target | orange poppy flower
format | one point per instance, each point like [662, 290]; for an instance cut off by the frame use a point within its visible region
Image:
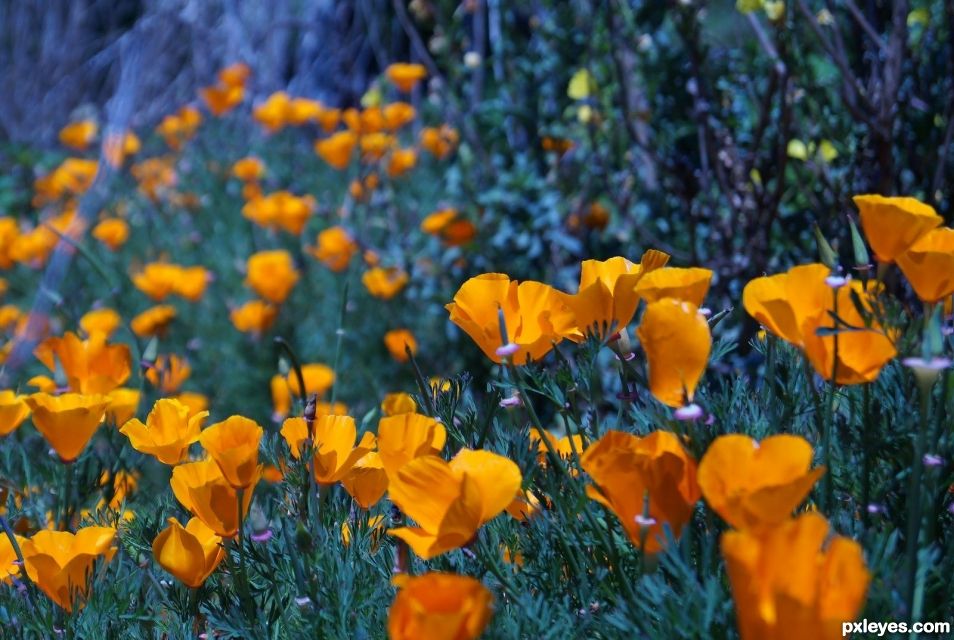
[273, 113]
[13, 411]
[221, 99]
[406, 436]
[335, 449]
[929, 265]
[689, 285]
[91, 365]
[272, 275]
[451, 501]
[168, 373]
[248, 169]
[254, 316]
[367, 480]
[405, 76]
[892, 225]
[439, 142]
[168, 431]
[676, 339]
[336, 149]
[628, 471]
[318, 379]
[233, 444]
[536, 315]
[335, 247]
[235, 75]
[60, 562]
[153, 321]
[384, 283]
[397, 403]
[67, 421]
[754, 485]
[201, 488]
[396, 340]
[281, 209]
[440, 606]
[190, 553]
[123, 404]
[401, 161]
[112, 232]
[783, 302]
[79, 135]
[793, 581]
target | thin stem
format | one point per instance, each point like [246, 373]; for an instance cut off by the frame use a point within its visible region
[915, 499]
[829, 486]
[340, 333]
[866, 454]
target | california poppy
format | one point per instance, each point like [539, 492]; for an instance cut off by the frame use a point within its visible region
[190, 553]
[677, 342]
[439, 606]
[168, 431]
[59, 562]
[67, 421]
[233, 444]
[892, 225]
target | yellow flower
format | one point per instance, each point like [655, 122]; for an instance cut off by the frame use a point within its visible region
[195, 402]
[440, 606]
[892, 225]
[168, 373]
[271, 274]
[254, 316]
[222, 99]
[754, 485]
[536, 315]
[104, 321]
[397, 340]
[439, 142]
[335, 449]
[123, 403]
[564, 446]
[335, 248]
[153, 321]
[374, 146]
[384, 283]
[60, 562]
[79, 135]
[401, 161]
[929, 265]
[405, 76]
[677, 342]
[451, 501]
[13, 411]
[688, 285]
[112, 232]
[67, 421]
[248, 169]
[9, 566]
[792, 581]
[367, 480]
[169, 430]
[336, 149]
[158, 280]
[628, 471]
[201, 488]
[783, 302]
[281, 209]
[406, 436]
[607, 298]
[397, 114]
[91, 365]
[397, 403]
[233, 444]
[235, 75]
[274, 112]
[178, 128]
[190, 553]
[318, 379]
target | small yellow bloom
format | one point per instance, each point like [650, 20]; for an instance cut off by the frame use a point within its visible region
[248, 169]
[233, 444]
[153, 321]
[440, 606]
[123, 404]
[254, 316]
[221, 99]
[104, 321]
[335, 247]
[112, 232]
[384, 283]
[335, 449]
[406, 436]
[281, 209]
[405, 76]
[367, 481]
[79, 135]
[13, 411]
[91, 365]
[190, 553]
[271, 274]
[9, 566]
[397, 341]
[677, 342]
[336, 149]
[439, 142]
[169, 430]
[168, 373]
[67, 421]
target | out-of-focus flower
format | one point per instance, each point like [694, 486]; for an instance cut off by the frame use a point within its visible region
[9, 565]
[398, 114]
[158, 280]
[628, 471]
[201, 488]
[441, 141]
[397, 340]
[793, 581]
[273, 113]
[153, 321]
[79, 135]
[168, 373]
[397, 403]
[281, 209]
[449, 226]
[892, 225]
[112, 232]
[536, 315]
[9, 232]
[451, 501]
[754, 485]
[335, 247]
[607, 298]
[406, 436]
[169, 430]
[59, 562]
[689, 285]
[929, 265]
[384, 282]
[91, 365]
[180, 127]
[255, 316]
[336, 149]
[318, 379]
[120, 145]
[123, 404]
[401, 161]
[440, 606]
[405, 76]
[13, 411]
[233, 444]
[221, 99]
[156, 177]
[375, 146]
[190, 553]
[564, 446]
[677, 342]
[271, 274]
[73, 177]
[235, 75]
[248, 169]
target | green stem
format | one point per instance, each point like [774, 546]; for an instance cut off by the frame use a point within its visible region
[66, 506]
[866, 454]
[339, 333]
[915, 499]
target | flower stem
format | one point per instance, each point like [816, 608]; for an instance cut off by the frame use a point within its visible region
[915, 500]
